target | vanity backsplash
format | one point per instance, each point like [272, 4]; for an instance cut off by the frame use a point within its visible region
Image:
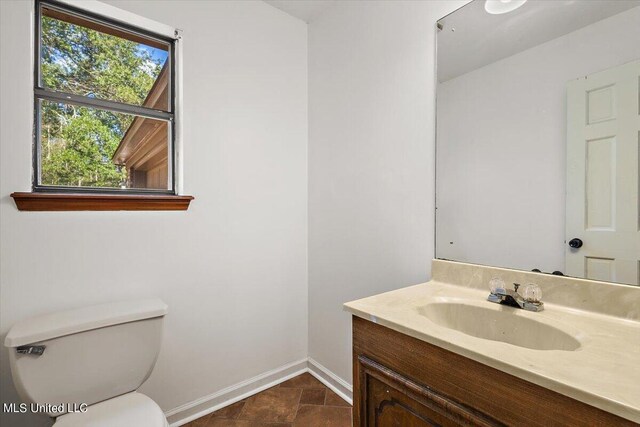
[607, 298]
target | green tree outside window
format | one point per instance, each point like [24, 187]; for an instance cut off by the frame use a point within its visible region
[77, 143]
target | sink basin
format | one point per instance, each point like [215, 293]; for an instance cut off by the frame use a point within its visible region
[505, 324]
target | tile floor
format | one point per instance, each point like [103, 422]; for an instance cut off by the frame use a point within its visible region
[302, 401]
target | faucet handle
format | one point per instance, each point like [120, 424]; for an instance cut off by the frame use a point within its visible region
[532, 293]
[496, 284]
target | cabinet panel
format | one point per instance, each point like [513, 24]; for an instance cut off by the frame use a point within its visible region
[392, 400]
[387, 407]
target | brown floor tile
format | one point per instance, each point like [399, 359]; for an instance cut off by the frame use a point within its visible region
[291, 402]
[232, 411]
[224, 422]
[200, 422]
[305, 380]
[333, 399]
[313, 396]
[275, 405]
[323, 416]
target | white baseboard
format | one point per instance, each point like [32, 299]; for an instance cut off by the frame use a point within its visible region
[331, 380]
[227, 396]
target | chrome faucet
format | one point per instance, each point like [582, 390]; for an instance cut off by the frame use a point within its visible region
[530, 299]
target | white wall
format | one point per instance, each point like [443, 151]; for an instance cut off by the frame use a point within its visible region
[502, 147]
[233, 269]
[371, 160]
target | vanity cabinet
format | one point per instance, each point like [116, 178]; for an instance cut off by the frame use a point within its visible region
[403, 381]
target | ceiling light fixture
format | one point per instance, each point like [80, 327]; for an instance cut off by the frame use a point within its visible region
[498, 7]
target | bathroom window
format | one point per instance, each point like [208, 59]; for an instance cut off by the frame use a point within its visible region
[104, 105]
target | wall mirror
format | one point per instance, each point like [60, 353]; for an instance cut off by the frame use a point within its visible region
[538, 135]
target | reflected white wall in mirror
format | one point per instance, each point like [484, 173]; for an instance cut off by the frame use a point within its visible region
[520, 96]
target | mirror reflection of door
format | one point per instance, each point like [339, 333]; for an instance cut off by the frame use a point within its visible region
[603, 139]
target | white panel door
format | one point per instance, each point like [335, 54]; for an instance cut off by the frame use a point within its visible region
[603, 208]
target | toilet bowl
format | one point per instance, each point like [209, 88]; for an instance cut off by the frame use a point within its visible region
[83, 366]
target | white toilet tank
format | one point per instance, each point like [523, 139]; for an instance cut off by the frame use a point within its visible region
[90, 354]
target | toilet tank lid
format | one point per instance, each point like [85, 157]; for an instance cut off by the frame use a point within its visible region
[58, 324]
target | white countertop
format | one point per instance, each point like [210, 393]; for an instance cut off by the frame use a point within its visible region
[604, 372]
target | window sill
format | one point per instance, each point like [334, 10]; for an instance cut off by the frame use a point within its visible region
[99, 202]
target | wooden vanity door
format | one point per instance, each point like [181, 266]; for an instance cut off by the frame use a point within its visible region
[386, 407]
[391, 400]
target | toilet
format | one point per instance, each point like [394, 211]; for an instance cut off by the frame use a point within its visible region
[83, 366]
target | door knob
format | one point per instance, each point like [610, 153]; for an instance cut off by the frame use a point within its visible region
[575, 243]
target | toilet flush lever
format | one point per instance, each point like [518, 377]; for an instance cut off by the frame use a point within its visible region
[36, 350]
